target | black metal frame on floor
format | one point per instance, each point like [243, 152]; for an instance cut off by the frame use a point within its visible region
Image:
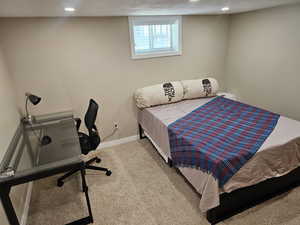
[6, 185]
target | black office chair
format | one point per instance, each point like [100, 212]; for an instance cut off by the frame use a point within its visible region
[87, 142]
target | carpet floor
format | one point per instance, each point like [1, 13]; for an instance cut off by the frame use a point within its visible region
[143, 190]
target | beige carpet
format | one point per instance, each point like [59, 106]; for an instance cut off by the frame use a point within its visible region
[143, 190]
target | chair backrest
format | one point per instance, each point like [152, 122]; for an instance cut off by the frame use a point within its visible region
[90, 142]
[91, 115]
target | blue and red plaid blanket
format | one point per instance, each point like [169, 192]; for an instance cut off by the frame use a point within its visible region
[220, 136]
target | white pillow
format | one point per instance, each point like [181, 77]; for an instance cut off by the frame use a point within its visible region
[159, 94]
[207, 87]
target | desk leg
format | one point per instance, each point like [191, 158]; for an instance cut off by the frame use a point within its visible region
[89, 219]
[8, 206]
[85, 189]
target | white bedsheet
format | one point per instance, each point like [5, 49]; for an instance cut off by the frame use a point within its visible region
[279, 154]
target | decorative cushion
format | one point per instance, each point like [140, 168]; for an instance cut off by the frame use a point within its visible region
[207, 87]
[159, 94]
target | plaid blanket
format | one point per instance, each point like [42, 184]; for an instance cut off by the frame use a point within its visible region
[220, 136]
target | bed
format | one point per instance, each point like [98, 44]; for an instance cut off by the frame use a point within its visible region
[272, 170]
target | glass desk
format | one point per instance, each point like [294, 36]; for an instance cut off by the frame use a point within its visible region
[27, 159]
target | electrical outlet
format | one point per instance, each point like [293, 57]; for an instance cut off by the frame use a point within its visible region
[116, 125]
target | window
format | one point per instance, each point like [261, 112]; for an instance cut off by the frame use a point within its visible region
[155, 36]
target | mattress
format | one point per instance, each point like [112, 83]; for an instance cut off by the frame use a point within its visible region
[278, 155]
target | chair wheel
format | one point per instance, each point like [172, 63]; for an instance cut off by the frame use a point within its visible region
[98, 160]
[108, 173]
[60, 183]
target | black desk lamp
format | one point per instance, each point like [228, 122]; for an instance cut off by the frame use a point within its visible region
[28, 118]
[34, 100]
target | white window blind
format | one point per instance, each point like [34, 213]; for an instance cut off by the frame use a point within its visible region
[155, 36]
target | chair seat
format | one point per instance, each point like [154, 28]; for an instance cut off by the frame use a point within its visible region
[85, 144]
[88, 143]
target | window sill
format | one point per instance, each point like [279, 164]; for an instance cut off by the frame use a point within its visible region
[155, 55]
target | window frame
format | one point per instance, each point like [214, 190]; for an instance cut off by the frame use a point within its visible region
[159, 52]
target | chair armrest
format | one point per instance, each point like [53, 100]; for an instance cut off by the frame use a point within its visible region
[78, 123]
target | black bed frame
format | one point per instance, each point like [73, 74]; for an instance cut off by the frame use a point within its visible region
[245, 198]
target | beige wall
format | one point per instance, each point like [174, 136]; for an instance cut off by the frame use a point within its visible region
[263, 66]
[9, 117]
[9, 121]
[67, 61]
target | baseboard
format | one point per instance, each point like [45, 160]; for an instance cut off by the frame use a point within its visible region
[26, 204]
[107, 144]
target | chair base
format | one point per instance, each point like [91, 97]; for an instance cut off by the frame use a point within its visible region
[60, 181]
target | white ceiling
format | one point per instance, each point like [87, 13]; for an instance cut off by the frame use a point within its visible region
[53, 8]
